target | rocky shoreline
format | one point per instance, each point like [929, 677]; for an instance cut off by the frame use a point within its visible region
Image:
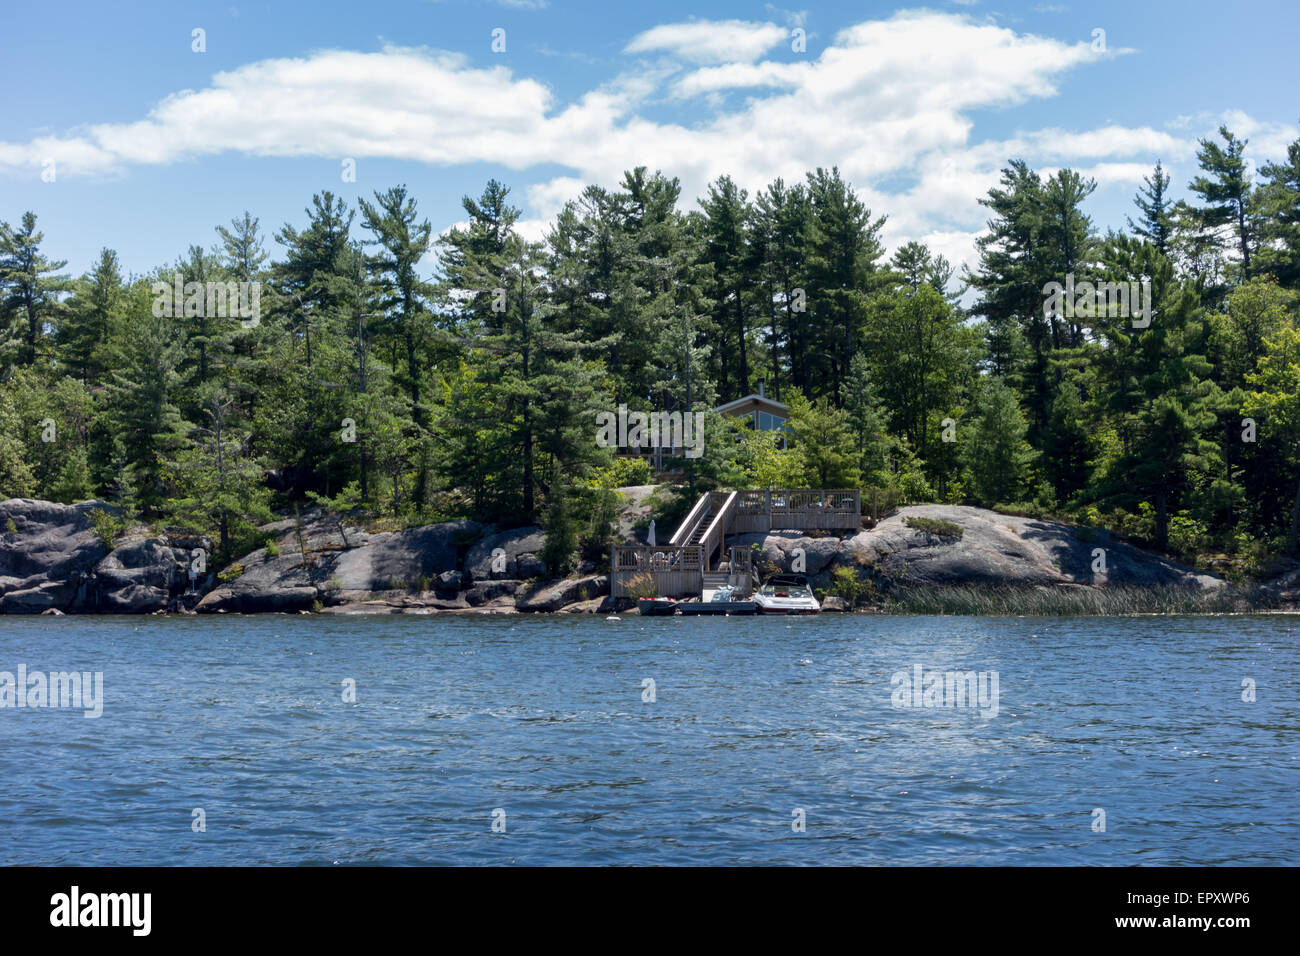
[52, 561]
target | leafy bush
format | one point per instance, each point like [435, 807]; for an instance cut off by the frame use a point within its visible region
[272, 549]
[107, 526]
[934, 526]
[1187, 535]
[231, 573]
[10, 526]
[623, 472]
[846, 583]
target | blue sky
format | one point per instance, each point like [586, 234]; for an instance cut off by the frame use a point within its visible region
[153, 144]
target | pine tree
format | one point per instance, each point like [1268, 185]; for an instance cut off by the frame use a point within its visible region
[842, 257]
[1152, 200]
[1279, 205]
[866, 421]
[529, 398]
[144, 387]
[242, 253]
[30, 285]
[93, 312]
[996, 453]
[1013, 269]
[216, 483]
[1157, 385]
[822, 437]
[1275, 401]
[1227, 196]
[729, 250]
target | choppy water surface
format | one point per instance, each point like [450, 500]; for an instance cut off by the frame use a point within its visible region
[753, 719]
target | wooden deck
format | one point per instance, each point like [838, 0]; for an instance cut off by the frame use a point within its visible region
[679, 569]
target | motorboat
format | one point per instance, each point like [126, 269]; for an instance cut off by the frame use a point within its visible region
[656, 607]
[786, 594]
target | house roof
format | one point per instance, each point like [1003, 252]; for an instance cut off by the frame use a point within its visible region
[752, 402]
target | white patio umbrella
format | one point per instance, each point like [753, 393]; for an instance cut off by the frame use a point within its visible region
[651, 538]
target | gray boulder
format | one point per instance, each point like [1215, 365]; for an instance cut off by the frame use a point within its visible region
[449, 584]
[52, 541]
[402, 558]
[258, 601]
[557, 594]
[492, 592]
[135, 599]
[145, 562]
[35, 600]
[1000, 550]
[530, 566]
[483, 563]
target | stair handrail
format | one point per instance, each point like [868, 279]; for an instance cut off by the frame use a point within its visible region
[713, 537]
[690, 522]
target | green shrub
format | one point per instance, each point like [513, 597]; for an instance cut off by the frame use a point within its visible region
[623, 472]
[846, 583]
[107, 526]
[10, 526]
[231, 573]
[934, 526]
[272, 549]
[1187, 535]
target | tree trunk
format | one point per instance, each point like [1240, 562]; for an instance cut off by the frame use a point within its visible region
[1162, 519]
[743, 370]
[1295, 522]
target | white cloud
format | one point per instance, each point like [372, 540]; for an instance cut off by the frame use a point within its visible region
[890, 101]
[710, 41]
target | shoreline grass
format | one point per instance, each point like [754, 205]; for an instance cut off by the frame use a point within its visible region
[1046, 602]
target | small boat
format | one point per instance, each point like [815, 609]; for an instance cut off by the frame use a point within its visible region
[786, 594]
[656, 607]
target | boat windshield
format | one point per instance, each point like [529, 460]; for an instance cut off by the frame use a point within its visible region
[786, 590]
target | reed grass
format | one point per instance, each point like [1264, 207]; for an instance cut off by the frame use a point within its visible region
[971, 600]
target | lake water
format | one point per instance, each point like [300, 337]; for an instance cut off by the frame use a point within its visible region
[755, 725]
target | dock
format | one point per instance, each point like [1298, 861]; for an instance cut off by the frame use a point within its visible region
[691, 564]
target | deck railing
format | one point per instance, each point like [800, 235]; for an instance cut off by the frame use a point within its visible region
[675, 572]
[740, 574]
[796, 510]
[691, 522]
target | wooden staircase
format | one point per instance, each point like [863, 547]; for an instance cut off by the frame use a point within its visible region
[705, 524]
[685, 565]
